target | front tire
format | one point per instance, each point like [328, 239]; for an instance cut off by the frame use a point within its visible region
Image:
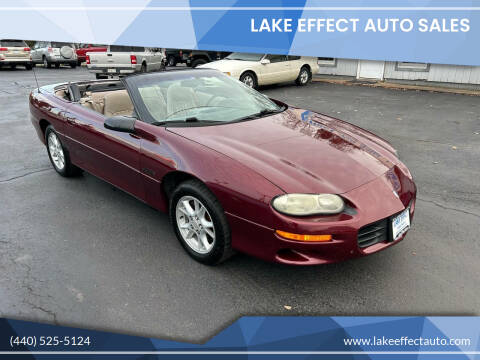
[58, 155]
[249, 79]
[304, 76]
[200, 223]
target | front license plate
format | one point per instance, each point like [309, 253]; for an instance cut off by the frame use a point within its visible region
[112, 70]
[400, 223]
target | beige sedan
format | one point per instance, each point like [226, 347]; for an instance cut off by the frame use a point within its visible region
[265, 69]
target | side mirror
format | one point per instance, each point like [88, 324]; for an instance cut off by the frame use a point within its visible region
[121, 123]
[264, 61]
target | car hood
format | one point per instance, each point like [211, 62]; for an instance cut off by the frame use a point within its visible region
[300, 151]
[228, 65]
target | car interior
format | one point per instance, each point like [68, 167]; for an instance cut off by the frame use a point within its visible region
[110, 98]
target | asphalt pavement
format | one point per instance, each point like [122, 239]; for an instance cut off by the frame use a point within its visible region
[78, 252]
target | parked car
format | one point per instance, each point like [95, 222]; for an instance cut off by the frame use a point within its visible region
[265, 69]
[124, 60]
[199, 57]
[15, 52]
[235, 170]
[54, 53]
[83, 49]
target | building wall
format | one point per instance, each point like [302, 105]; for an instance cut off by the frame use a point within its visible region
[345, 67]
[392, 73]
[454, 74]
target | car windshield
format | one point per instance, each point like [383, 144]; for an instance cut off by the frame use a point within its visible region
[197, 96]
[245, 56]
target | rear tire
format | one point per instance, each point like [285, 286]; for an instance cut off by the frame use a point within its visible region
[198, 62]
[58, 154]
[46, 63]
[172, 61]
[57, 65]
[206, 219]
[304, 76]
[13, 67]
[73, 65]
[143, 69]
[29, 67]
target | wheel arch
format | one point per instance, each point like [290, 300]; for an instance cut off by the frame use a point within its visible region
[172, 179]
[249, 71]
[307, 66]
[43, 125]
[201, 56]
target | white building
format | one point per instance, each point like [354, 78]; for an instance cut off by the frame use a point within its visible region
[403, 72]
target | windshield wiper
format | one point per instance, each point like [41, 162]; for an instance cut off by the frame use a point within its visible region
[260, 114]
[186, 121]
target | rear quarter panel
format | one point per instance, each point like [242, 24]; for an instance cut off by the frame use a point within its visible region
[50, 108]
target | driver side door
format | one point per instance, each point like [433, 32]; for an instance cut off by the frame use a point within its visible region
[111, 155]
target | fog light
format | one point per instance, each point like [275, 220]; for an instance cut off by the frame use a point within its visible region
[300, 237]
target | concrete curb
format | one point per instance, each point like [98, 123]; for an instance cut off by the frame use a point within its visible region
[396, 86]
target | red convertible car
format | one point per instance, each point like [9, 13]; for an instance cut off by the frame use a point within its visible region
[235, 170]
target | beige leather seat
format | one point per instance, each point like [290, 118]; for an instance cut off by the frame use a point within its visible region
[94, 101]
[180, 98]
[117, 103]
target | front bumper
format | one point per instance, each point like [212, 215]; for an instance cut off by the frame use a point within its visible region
[373, 202]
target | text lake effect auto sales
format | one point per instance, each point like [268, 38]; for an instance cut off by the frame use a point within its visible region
[374, 25]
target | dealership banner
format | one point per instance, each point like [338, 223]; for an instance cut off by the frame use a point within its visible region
[261, 338]
[436, 31]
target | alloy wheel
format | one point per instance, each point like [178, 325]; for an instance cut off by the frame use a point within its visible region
[304, 76]
[56, 151]
[248, 80]
[195, 224]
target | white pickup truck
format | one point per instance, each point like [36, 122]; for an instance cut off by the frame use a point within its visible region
[124, 60]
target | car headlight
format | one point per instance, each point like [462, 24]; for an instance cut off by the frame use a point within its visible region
[308, 204]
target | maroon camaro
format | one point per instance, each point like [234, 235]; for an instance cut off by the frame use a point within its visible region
[235, 170]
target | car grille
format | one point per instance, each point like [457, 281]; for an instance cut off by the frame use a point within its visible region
[373, 233]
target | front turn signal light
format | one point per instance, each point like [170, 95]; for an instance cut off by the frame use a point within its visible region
[300, 237]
